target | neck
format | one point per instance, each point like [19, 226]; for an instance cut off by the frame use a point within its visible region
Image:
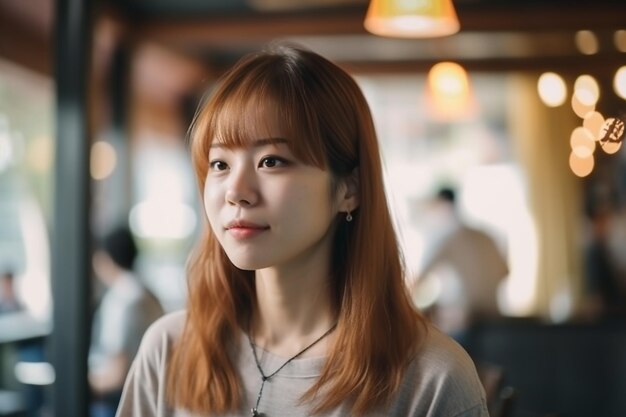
[293, 308]
[109, 279]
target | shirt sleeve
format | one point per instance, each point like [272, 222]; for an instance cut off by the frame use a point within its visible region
[441, 382]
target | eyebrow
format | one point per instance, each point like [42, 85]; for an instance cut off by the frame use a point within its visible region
[256, 143]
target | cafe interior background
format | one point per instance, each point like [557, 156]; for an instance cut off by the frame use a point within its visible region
[516, 110]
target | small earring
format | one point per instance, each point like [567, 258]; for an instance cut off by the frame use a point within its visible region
[349, 217]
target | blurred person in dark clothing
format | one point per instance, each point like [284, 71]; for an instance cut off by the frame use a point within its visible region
[605, 282]
[125, 312]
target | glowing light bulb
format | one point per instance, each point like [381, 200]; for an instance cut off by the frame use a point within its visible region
[619, 82]
[552, 89]
[587, 90]
[103, 160]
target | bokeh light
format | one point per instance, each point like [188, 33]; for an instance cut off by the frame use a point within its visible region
[582, 142]
[449, 91]
[162, 220]
[581, 109]
[581, 167]
[103, 160]
[611, 147]
[40, 154]
[619, 82]
[587, 42]
[587, 90]
[619, 38]
[552, 89]
[593, 122]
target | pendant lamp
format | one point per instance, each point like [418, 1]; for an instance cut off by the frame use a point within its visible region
[411, 18]
[449, 93]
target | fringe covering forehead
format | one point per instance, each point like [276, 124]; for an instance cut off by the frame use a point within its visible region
[263, 105]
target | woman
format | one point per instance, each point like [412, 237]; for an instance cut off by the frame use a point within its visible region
[297, 304]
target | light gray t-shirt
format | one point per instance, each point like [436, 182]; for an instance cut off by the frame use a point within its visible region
[440, 382]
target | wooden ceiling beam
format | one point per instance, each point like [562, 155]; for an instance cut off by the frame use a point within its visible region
[248, 29]
[24, 47]
[599, 65]
[206, 30]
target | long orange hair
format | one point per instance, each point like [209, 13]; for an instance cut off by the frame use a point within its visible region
[324, 114]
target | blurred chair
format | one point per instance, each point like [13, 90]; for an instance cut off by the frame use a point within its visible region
[500, 397]
[12, 404]
[506, 402]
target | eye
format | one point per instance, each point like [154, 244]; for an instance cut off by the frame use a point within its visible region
[272, 162]
[218, 165]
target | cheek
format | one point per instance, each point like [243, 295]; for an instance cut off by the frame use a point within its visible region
[210, 196]
[314, 200]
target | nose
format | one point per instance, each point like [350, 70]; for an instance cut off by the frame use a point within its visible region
[242, 189]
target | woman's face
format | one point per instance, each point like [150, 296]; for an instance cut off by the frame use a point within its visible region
[266, 208]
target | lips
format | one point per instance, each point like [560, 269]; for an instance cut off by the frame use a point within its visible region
[243, 229]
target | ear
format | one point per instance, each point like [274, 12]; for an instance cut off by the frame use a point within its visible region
[349, 198]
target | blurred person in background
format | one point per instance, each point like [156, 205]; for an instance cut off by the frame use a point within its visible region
[605, 281]
[27, 350]
[469, 267]
[125, 312]
[9, 302]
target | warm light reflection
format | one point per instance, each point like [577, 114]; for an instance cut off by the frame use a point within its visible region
[40, 154]
[449, 91]
[611, 147]
[103, 160]
[587, 42]
[411, 19]
[619, 82]
[552, 89]
[449, 79]
[619, 38]
[587, 90]
[582, 142]
[581, 109]
[593, 123]
[581, 166]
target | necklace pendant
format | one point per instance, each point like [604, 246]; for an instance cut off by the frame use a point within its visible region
[254, 412]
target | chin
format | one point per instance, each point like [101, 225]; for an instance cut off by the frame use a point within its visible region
[247, 263]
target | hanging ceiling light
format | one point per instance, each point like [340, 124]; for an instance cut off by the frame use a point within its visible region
[411, 18]
[449, 93]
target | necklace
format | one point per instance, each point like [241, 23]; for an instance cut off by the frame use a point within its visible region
[254, 411]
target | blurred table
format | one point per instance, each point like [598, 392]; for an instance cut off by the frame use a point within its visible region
[18, 326]
[21, 338]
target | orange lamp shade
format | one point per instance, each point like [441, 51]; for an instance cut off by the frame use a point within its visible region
[411, 18]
